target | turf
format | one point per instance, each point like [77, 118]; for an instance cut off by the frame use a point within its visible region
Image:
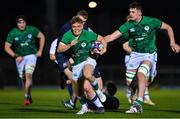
[47, 104]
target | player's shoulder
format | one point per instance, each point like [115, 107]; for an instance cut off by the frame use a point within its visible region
[68, 33]
[31, 27]
[13, 31]
[86, 32]
[147, 18]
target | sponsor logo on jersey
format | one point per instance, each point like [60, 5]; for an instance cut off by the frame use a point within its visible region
[24, 44]
[139, 39]
[132, 30]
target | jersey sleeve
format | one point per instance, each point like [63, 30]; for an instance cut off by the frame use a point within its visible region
[53, 47]
[35, 31]
[93, 36]
[124, 29]
[156, 23]
[66, 39]
[10, 38]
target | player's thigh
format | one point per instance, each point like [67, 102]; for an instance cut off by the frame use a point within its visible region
[77, 71]
[87, 86]
[63, 62]
[134, 61]
[97, 73]
[89, 67]
[30, 63]
[20, 67]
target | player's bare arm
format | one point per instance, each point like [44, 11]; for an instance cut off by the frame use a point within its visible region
[168, 28]
[8, 49]
[41, 44]
[64, 47]
[126, 47]
[113, 36]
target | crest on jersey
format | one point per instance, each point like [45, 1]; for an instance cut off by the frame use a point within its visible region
[29, 36]
[83, 44]
[146, 28]
[16, 38]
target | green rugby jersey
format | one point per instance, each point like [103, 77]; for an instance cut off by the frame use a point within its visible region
[23, 41]
[142, 35]
[80, 51]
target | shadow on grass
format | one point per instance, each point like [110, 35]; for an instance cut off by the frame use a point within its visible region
[164, 110]
[18, 104]
[30, 109]
[43, 110]
[8, 103]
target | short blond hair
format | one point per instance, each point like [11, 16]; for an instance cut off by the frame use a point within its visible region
[76, 19]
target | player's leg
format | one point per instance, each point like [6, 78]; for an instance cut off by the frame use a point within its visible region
[63, 64]
[142, 74]
[30, 63]
[68, 74]
[98, 77]
[92, 96]
[131, 84]
[153, 73]
[147, 99]
[88, 74]
[72, 101]
[76, 74]
[20, 67]
[73, 98]
[142, 64]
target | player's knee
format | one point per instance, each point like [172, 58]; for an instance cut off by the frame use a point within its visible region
[97, 74]
[29, 69]
[88, 76]
[128, 83]
[21, 75]
[62, 66]
[144, 69]
[87, 86]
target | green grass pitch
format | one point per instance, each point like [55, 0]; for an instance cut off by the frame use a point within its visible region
[47, 104]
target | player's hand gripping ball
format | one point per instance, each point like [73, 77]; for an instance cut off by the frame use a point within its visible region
[97, 47]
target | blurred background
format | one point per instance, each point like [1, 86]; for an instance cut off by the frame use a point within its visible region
[106, 17]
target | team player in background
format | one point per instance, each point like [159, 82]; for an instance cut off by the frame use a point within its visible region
[142, 31]
[25, 52]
